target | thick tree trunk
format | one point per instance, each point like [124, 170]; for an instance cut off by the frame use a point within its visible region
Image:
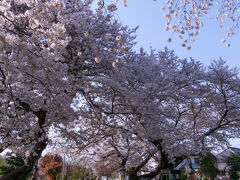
[41, 142]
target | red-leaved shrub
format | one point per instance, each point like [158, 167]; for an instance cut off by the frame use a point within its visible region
[52, 165]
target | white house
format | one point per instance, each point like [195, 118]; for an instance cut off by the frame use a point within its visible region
[222, 156]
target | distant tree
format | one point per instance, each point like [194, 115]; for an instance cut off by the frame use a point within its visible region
[234, 163]
[105, 169]
[79, 172]
[76, 172]
[52, 165]
[208, 167]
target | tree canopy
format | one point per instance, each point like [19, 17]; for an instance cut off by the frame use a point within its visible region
[69, 77]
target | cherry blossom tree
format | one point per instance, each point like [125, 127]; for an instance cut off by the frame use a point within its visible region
[71, 72]
[49, 51]
[175, 106]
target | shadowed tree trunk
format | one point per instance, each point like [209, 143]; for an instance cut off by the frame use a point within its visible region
[41, 142]
[20, 172]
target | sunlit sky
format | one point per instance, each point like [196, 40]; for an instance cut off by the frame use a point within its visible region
[147, 14]
[149, 17]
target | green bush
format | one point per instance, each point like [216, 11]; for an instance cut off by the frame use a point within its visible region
[208, 167]
[12, 162]
[183, 175]
[234, 163]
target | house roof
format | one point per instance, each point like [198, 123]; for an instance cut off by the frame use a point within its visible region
[235, 150]
[222, 156]
[191, 161]
[194, 161]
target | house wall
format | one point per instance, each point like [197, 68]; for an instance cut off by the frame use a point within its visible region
[221, 166]
[223, 155]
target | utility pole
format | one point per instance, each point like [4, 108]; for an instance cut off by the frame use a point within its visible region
[63, 172]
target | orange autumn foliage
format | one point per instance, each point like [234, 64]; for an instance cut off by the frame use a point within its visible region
[52, 165]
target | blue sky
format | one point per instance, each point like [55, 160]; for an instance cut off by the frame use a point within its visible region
[147, 14]
[207, 47]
